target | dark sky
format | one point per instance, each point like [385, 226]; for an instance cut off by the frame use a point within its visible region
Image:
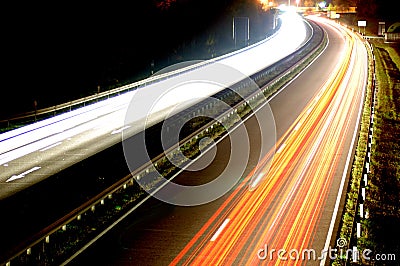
[59, 52]
[65, 49]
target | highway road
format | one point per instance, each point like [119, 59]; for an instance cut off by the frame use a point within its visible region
[33, 153]
[293, 208]
[62, 147]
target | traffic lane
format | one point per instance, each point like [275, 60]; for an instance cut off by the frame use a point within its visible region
[71, 146]
[65, 149]
[53, 197]
[344, 162]
[150, 236]
[234, 241]
[44, 133]
[310, 172]
[146, 242]
[310, 162]
[289, 102]
[42, 204]
[36, 161]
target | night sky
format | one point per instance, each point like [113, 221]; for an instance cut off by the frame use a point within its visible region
[60, 52]
[56, 53]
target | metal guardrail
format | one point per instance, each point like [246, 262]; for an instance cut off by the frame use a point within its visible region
[44, 235]
[359, 214]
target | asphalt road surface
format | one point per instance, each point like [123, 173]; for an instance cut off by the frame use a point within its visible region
[293, 206]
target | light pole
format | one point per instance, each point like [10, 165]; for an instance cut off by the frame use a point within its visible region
[35, 106]
[241, 25]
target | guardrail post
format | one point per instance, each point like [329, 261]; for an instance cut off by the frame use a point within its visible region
[361, 210]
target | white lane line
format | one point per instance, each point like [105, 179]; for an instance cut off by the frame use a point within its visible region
[258, 179]
[298, 126]
[14, 177]
[119, 130]
[215, 236]
[51, 146]
[281, 148]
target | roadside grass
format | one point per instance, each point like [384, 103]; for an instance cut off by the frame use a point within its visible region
[380, 231]
[347, 224]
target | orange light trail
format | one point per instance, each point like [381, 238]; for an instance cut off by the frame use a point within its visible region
[285, 210]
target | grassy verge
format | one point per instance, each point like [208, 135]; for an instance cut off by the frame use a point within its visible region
[380, 232]
[346, 228]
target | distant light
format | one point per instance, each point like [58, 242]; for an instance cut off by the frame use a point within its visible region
[285, 8]
[322, 4]
[266, 4]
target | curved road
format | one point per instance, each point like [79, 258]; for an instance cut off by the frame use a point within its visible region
[35, 152]
[293, 209]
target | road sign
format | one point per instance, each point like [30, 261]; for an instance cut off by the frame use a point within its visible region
[362, 23]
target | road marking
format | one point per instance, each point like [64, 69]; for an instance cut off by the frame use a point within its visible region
[298, 126]
[119, 130]
[344, 176]
[281, 148]
[255, 183]
[15, 177]
[215, 236]
[51, 146]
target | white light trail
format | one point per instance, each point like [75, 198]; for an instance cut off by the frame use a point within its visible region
[38, 136]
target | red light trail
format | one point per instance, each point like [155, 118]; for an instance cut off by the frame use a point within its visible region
[285, 210]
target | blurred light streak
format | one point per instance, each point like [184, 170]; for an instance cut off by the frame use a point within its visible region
[35, 137]
[285, 210]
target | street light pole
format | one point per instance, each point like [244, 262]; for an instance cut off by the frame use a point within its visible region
[236, 28]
